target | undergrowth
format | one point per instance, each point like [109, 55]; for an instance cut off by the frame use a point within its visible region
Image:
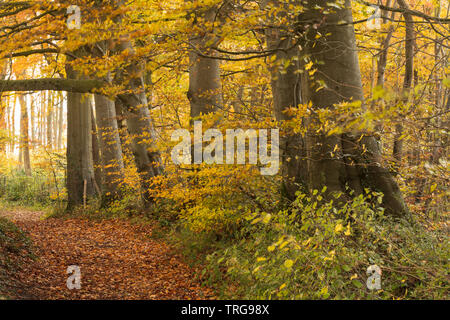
[38, 190]
[311, 249]
[314, 250]
[15, 246]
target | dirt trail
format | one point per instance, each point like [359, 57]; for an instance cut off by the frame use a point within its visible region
[118, 260]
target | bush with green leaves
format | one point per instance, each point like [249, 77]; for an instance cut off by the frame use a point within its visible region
[318, 250]
[39, 188]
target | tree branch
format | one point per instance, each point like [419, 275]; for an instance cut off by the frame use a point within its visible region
[54, 84]
[408, 11]
[29, 52]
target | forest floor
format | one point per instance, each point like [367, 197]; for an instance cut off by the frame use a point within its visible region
[117, 260]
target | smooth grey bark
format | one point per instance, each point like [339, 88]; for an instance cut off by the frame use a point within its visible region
[139, 122]
[55, 84]
[55, 120]
[60, 121]
[49, 120]
[24, 135]
[440, 93]
[205, 84]
[135, 107]
[41, 118]
[107, 135]
[338, 68]
[98, 165]
[397, 151]
[335, 161]
[123, 131]
[286, 85]
[111, 149]
[32, 121]
[3, 107]
[11, 112]
[80, 168]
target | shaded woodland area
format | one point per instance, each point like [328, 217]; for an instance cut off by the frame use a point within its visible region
[360, 98]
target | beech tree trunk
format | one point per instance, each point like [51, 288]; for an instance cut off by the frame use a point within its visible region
[287, 93]
[123, 131]
[352, 159]
[205, 85]
[50, 120]
[135, 107]
[60, 120]
[32, 121]
[3, 107]
[98, 172]
[139, 122]
[24, 135]
[80, 168]
[13, 123]
[111, 149]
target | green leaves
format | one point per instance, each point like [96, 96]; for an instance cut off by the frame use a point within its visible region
[357, 283]
[446, 82]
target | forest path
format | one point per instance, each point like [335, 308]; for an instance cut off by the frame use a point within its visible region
[117, 260]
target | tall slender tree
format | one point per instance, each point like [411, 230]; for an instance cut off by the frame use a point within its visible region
[24, 135]
[408, 77]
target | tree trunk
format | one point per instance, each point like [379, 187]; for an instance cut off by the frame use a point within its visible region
[50, 120]
[123, 132]
[98, 172]
[205, 85]
[111, 149]
[55, 118]
[408, 79]
[287, 93]
[3, 108]
[60, 120]
[352, 159]
[80, 169]
[382, 60]
[135, 108]
[13, 124]
[32, 120]
[139, 122]
[41, 118]
[24, 137]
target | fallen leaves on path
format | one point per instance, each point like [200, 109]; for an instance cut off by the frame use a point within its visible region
[118, 260]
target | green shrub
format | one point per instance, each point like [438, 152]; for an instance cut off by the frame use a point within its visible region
[39, 188]
[317, 251]
[128, 205]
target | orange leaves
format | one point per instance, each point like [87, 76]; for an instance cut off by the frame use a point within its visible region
[118, 260]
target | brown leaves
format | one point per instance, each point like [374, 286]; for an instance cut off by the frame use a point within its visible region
[118, 260]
